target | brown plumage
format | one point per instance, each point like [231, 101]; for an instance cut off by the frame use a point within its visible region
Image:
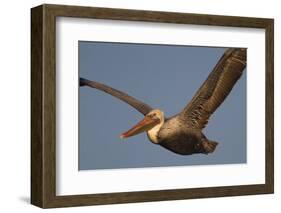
[182, 133]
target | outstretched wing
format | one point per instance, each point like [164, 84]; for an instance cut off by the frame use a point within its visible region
[215, 89]
[138, 105]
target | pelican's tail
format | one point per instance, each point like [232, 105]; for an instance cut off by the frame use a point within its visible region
[209, 146]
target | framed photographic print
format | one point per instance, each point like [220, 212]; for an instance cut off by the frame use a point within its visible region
[136, 106]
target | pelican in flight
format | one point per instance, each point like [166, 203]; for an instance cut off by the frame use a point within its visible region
[182, 133]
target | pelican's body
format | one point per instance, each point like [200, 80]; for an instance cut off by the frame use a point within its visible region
[182, 133]
[179, 138]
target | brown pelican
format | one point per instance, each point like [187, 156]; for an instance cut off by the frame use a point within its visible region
[182, 133]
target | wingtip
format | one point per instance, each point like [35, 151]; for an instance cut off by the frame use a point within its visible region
[82, 82]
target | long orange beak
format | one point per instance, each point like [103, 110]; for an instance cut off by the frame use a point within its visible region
[144, 125]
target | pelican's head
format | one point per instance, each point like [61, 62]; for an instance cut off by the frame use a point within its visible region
[151, 123]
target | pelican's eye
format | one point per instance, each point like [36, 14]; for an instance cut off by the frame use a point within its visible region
[153, 115]
[150, 115]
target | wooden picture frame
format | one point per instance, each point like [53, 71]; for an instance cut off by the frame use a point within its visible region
[43, 105]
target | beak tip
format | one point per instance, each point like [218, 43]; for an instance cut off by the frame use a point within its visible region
[122, 136]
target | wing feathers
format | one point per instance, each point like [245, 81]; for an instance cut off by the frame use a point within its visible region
[215, 89]
[138, 105]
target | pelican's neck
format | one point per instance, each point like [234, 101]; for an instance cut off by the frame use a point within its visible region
[153, 133]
